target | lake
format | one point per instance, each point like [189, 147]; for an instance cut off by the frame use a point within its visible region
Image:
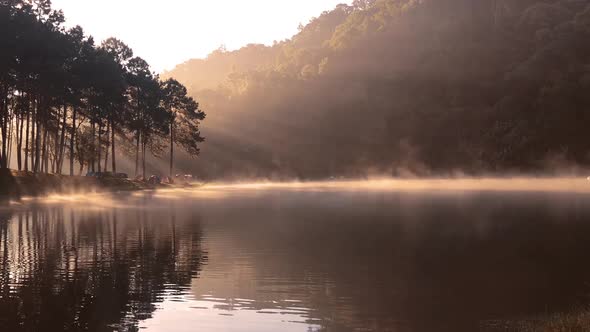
[295, 257]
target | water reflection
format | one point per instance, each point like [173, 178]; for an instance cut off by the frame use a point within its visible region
[71, 269]
[293, 260]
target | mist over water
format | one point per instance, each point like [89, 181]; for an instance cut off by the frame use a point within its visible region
[383, 255]
[511, 184]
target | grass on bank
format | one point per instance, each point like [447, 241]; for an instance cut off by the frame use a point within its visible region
[575, 321]
[19, 183]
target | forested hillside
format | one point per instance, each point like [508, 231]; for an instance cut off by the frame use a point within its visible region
[403, 86]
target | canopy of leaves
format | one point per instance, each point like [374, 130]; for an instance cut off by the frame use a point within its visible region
[430, 86]
[54, 80]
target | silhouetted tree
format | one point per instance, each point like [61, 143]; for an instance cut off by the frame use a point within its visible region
[55, 84]
[184, 114]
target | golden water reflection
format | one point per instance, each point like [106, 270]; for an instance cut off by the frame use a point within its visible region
[294, 257]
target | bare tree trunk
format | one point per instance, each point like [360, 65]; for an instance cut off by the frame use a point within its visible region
[60, 159]
[45, 151]
[33, 135]
[143, 158]
[4, 121]
[93, 145]
[54, 160]
[107, 145]
[114, 161]
[32, 140]
[19, 155]
[99, 146]
[17, 133]
[10, 137]
[37, 140]
[171, 150]
[138, 132]
[27, 141]
[42, 150]
[137, 154]
[72, 141]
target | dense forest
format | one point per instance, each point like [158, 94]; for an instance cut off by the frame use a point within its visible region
[399, 87]
[64, 99]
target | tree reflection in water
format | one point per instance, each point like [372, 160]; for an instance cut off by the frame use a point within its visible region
[282, 260]
[66, 270]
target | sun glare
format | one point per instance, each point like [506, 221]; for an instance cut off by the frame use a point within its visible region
[181, 30]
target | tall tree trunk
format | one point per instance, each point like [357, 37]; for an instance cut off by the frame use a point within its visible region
[137, 154]
[72, 141]
[4, 120]
[93, 146]
[143, 157]
[99, 146]
[114, 161]
[10, 138]
[19, 155]
[55, 159]
[45, 151]
[60, 159]
[107, 146]
[42, 151]
[33, 137]
[138, 131]
[27, 140]
[172, 150]
[37, 139]
[16, 138]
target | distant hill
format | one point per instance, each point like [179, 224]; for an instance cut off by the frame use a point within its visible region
[403, 87]
[220, 64]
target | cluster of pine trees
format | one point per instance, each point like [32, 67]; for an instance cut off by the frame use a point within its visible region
[64, 99]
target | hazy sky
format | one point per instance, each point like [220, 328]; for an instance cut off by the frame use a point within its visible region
[169, 32]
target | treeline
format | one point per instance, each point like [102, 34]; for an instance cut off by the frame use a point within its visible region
[405, 86]
[65, 99]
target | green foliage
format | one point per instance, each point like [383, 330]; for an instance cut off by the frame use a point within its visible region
[55, 81]
[425, 86]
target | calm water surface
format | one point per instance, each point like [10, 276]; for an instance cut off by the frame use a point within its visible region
[291, 259]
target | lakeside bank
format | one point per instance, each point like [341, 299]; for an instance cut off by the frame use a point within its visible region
[16, 184]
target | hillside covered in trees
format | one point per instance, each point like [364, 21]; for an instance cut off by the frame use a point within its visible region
[65, 100]
[393, 87]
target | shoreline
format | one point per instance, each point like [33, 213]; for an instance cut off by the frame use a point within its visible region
[18, 184]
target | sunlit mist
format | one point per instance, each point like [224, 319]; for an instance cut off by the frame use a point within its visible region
[221, 190]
